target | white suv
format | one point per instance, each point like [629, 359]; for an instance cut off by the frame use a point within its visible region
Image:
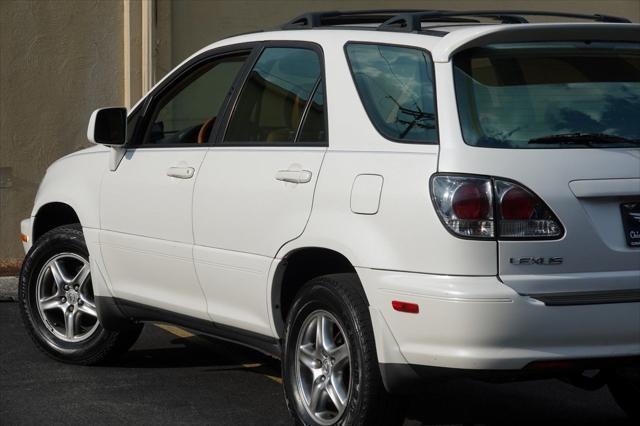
[381, 199]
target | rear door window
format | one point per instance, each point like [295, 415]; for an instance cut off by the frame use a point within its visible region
[314, 126]
[396, 86]
[283, 88]
[549, 95]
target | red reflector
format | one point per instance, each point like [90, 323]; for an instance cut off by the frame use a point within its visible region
[517, 204]
[411, 308]
[470, 202]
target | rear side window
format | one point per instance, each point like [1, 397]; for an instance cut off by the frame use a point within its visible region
[549, 95]
[396, 86]
[283, 88]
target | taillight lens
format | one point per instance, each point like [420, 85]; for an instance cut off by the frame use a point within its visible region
[466, 206]
[470, 201]
[521, 214]
[517, 204]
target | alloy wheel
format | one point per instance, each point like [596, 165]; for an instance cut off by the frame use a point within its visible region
[323, 367]
[65, 298]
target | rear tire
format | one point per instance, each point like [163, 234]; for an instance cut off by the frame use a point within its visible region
[624, 385]
[57, 302]
[335, 379]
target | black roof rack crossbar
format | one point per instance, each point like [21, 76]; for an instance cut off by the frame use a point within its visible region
[410, 20]
[348, 17]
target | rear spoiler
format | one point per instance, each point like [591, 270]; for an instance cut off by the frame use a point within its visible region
[463, 39]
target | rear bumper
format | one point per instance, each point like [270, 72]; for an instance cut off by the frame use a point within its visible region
[478, 323]
[406, 378]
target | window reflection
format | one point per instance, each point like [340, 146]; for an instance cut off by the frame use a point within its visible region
[396, 87]
[274, 97]
[509, 95]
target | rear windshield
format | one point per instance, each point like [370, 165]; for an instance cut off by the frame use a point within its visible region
[549, 95]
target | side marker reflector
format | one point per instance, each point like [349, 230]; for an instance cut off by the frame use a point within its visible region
[410, 308]
[24, 238]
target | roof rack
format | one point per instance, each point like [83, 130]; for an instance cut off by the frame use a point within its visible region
[351, 17]
[410, 20]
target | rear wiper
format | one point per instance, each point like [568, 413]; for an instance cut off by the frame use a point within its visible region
[588, 139]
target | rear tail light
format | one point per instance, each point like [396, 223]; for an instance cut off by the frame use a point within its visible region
[521, 214]
[485, 207]
[465, 204]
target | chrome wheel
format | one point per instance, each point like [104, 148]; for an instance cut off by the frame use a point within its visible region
[65, 298]
[323, 367]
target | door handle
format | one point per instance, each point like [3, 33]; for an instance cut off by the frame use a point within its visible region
[181, 172]
[294, 176]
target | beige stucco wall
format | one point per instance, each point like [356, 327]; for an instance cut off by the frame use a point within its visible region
[61, 59]
[196, 23]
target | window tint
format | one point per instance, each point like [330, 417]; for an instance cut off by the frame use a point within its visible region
[397, 90]
[186, 114]
[314, 126]
[273, 99]
[549, 95]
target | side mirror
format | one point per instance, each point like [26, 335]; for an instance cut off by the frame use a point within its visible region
[108, 126]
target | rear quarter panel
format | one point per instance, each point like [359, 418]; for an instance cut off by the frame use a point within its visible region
[405, 234]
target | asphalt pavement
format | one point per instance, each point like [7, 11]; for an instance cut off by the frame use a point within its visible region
[172, 376]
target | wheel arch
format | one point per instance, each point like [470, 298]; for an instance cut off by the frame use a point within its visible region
[51, 215]
[295, 269]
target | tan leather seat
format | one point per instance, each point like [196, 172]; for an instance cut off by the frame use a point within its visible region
[286, 134]
[205, 130]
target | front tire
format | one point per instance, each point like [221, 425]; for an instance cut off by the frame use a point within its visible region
[330, 367]
[58, 305]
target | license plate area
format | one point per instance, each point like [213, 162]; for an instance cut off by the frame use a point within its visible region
[631, 222]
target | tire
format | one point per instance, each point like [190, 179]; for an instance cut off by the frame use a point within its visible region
[624, 385]
[336, 302]
[52, 303]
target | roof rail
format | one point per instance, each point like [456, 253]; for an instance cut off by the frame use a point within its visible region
[410, 20]
[349, 17]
